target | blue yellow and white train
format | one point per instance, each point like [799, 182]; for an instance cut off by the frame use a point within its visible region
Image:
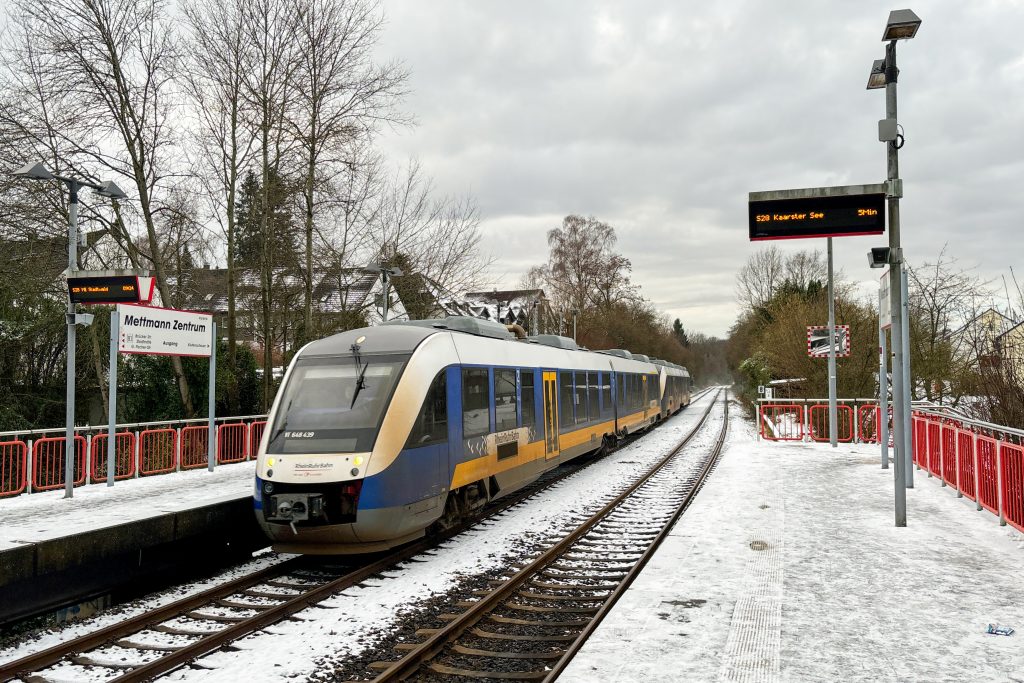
[379, 433]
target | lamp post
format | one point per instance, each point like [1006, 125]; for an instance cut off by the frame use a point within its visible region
[36, 171]
[902, 25]
[385, 275]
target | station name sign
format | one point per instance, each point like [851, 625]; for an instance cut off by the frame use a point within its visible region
[109, 289]
[842, 211]
[164, 331]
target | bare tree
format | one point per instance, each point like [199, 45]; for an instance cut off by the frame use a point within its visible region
[267, 91]
[214, 75]
[341, 97]
[583, 268]
[115, 58]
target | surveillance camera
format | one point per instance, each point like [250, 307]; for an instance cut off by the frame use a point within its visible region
[878, 257]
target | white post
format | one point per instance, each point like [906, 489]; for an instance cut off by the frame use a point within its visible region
[112, 398]
[833, 426]
[907, 388]
[69, 411]
[882, 428]
[211, 438]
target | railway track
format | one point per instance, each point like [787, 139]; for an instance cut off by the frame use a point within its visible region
[531, 624]
[144, 647]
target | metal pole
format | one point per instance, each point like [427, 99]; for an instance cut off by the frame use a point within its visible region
[908, 388]
[384, 282]
[115, 324]
[882, 428]
[896, 294]
[574, 324]
[69, 419]
[833, 426]
[211, 445]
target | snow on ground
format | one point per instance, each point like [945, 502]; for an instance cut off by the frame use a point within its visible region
[788, 567]
[344, 625]
[30, 518]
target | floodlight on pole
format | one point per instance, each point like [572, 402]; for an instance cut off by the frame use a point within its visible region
[385, 275]
[902, 25]
[37, 171]
[876, 79]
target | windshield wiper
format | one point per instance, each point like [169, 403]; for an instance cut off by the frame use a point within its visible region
[362, 373]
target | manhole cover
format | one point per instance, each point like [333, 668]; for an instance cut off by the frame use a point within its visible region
[758, 545]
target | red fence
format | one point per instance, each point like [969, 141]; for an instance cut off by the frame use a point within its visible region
[255, 436]
[124, 456]
[981, 461]
[48, 463]
[987, 470]
[819, 425]
[13, 459]
[34, 461]
[193, 447]
[232, 443]
[781, 422]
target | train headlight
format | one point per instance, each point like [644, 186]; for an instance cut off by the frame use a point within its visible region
[355, 471]
[357, 461]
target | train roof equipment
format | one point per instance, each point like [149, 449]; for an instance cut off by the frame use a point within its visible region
[461, 323]
[619, 353]
[554, 340]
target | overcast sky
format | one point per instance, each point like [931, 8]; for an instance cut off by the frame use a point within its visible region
[659, 116]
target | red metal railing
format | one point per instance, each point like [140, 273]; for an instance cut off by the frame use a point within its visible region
[158, 451]
[935, 447]
[949, 458]
[124, 456]
[781, 422]
[232, 443]
[48, 463]
[868, 420]
[966, 480]
[256, 430]
[1011, 458]
[194, 452]
[987, 449]
[819, 426]
[13, 459]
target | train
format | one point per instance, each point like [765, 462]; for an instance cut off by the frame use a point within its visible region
[380, 434]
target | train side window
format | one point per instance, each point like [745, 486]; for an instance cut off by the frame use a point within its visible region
[565, 400]
[581, 397]
[431, 424]
[592, 388]
[475, 404]
[527, 397]
[505, 413]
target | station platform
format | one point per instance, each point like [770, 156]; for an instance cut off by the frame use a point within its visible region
[56, 551]
[788, 567]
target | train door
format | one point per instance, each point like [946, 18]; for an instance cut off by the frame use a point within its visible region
[550, 414]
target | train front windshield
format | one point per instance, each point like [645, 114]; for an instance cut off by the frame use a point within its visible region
[334, 405]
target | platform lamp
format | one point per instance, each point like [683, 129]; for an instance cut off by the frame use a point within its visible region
[903, 24]
[108, 189]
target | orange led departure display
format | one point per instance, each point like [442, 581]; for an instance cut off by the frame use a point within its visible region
[104, 290]
[834, 216]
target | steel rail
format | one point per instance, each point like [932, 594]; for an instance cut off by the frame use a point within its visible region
[32, 664]
[589, 629]
[436, 642]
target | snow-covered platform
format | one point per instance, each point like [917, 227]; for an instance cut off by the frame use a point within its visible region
[54, 550]
[788, 567]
